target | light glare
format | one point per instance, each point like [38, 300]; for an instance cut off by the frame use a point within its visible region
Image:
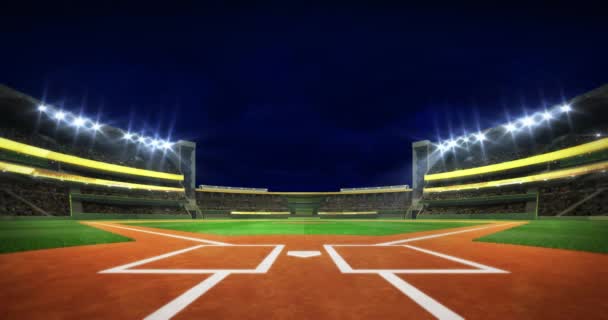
[527, 121]
[480, 136]
[547, 115]
[96, 126]
[565, 108]
[42, 108]
[510, 127]
[60, 115]
[79, 122]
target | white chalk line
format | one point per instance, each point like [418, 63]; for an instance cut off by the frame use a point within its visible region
[390, 275]
[178, 304]
[218, 243]
[427, 303]
[185, 299]
[438, 235]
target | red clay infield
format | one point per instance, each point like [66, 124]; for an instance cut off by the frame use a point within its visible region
[538, 283]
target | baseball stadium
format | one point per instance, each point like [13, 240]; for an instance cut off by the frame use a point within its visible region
[507, 223]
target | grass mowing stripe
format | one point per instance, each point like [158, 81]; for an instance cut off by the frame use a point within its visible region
[23, 235]
[340, 227]
[583, 235]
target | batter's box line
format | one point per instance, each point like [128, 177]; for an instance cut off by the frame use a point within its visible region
[344, 267]
[390, 275]
[172, 308]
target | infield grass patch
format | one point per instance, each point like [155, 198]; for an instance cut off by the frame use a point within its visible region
[583, 235]
[23, 235]
[341, 227]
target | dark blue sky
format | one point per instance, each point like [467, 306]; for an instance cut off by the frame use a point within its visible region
[303, 97]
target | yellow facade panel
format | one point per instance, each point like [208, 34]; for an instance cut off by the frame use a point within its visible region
[598, 145]
[82, 162]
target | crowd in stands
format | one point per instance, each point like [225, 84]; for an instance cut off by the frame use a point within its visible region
[133, 193]
[330, 203]
[21, 198]
[556, 198]
[241, 202]
[513, 207]
[126, 155]
[367, 202]
[465, 194]
[130, 209]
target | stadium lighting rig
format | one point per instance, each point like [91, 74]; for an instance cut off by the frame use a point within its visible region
[79, 122]
[528, 121]
[82, 122]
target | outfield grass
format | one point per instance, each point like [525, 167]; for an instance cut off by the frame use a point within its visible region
[23, 235]
[584, 235]
[241, 228]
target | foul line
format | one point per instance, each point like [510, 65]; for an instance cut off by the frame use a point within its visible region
[122, 268]
[217, 243]
[178, 304]
[442, 234]
[427, 303]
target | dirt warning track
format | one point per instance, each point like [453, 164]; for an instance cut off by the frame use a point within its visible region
[169, 274]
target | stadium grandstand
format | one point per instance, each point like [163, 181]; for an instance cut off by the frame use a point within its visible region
[57, 162]
[549, 163]
[374, 202]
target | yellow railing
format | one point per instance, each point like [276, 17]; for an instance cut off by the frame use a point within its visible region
[259, 212]
[597, 145]
[54, 175]
[552, 175]
[82, 162]
[312, 193]
[347, 212]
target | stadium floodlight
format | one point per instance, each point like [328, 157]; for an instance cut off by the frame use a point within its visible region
[60, 115]
[528, 121]
[167, 145]
[79, 122]
[598, 134]
[547, 115]
[96, 126]
[480, 136]
[42, 108]
[510, 127]
[565, 108]
[452, 143]
[141, 139]
[128, 136]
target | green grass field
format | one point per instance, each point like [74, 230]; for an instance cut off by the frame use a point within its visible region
[23, 235]
[584, 235]
[341, 227]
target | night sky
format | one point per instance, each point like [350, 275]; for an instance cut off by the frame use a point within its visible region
[303, 98]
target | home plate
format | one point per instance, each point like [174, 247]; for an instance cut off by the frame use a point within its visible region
[303, 254]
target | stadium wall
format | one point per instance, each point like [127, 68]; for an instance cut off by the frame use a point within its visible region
[480, 216]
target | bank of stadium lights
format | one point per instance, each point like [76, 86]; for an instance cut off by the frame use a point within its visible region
[59, 115]
[480, 136]
[81, 122]
[511, 127]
